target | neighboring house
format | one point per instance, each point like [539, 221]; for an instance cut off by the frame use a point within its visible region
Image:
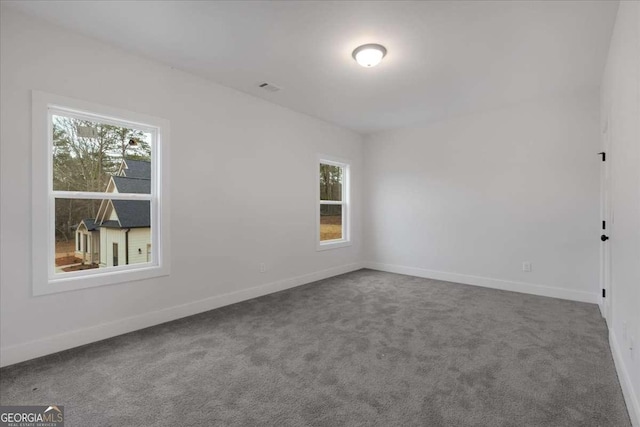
[121, 232]
[87, 236]
[135, 169]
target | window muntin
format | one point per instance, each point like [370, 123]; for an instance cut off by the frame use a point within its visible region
[46, 278]
[333, 209]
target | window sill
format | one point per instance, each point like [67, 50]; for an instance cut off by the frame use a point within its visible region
[333, 244]
[92, 280]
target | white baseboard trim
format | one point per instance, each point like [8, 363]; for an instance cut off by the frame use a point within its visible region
[630, 397]
[53, 344]
[506, 285]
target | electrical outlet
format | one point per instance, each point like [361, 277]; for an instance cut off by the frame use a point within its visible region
[263, 267]
[526, 266]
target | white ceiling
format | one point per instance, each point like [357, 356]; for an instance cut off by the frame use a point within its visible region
[445, 57]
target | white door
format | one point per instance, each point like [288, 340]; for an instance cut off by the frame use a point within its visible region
[607, 223]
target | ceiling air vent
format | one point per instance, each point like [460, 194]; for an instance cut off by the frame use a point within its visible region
[269, 87]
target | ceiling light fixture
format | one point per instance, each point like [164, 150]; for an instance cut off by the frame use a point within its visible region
[369, 55]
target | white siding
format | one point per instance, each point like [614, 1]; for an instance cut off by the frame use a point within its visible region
[139, 238]
[109, 236]
[112, 215]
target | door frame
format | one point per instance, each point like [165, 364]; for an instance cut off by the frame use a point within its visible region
[606, 213]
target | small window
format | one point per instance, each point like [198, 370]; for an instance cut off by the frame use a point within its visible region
[98, 177]
[115, 254]
[333, 207]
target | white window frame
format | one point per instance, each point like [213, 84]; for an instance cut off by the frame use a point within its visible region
[346, 206]
[44, 279]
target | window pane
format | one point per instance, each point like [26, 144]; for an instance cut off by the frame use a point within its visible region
[101, 233]
[330, 222]
[330, 182]
[86, 154]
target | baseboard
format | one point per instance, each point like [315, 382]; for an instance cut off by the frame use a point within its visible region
[506, 285]
[53, 344]
[630, 397]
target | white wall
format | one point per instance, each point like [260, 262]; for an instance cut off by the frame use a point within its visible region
[621, 108]
[243, 190]
[471, 198]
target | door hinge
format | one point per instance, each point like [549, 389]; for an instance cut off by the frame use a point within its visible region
[604, 293]
[604, 156]
[604, 225]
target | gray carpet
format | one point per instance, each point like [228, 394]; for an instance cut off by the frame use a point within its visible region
[362, 349]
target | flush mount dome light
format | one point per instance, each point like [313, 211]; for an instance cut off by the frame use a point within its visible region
[369, 55]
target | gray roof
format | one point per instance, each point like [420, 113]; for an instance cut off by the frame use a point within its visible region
[89, 223]
[131, 213]
[138, 169]
[125, 184]
[110, 224]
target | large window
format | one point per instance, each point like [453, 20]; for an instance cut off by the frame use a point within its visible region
[99, 188]
[333, 208]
